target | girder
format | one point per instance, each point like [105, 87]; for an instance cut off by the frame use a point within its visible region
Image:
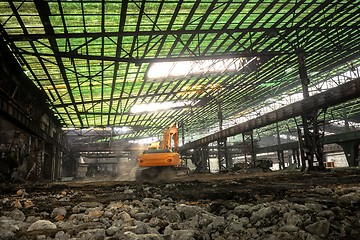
[92, 58]
[342, 93]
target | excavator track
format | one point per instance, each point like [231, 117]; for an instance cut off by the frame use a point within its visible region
[160, 174]
[155, 174]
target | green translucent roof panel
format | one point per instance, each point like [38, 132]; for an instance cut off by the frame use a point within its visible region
[91, 58]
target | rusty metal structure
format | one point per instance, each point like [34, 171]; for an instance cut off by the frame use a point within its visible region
[85, 77]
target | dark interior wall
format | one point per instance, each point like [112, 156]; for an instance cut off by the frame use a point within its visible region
[13, 150]
[28, 128]
[15, 86]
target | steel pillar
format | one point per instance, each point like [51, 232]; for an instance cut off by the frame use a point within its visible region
[35, 158]
[220, 115]
[184, 158]
[225, 162]
[49, 160]
[311, 141]
[280, 153]
[249, 148]
[223, 157]
[58, 163]
[296, 156]
[351, 150]
[281, 159]
[310, 137]
[200, 158]
[40, 159]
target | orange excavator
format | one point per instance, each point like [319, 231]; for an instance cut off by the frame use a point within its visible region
[161, 161]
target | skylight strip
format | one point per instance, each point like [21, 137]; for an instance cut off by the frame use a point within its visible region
[182, 69]
[155, 107]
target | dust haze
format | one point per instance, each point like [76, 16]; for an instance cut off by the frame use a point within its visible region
[119, 164]
[127, 165]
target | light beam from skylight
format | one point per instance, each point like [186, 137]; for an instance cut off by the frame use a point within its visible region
[155, 107]
[160, 70]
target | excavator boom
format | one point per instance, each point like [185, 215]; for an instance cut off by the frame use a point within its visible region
[170, 133]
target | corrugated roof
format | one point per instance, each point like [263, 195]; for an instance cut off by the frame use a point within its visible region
[91, 58]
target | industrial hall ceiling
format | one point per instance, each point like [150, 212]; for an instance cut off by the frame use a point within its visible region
[128, 69]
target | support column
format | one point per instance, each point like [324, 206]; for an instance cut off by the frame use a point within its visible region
[220, 115]
[249, 148]
[351, 150]
[48, 169]
[223, 156]
[200, 158]
[310, 138]
[296, 156]
[40, 159]
[280, 155]
[183, 154]
[225, 162]
[58, 163]
[183, 159]
[182, 125]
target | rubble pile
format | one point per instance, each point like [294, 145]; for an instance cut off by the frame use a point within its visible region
[203, 207]
[147, 212]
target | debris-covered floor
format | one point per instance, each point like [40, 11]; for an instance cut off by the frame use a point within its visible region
[275, 205]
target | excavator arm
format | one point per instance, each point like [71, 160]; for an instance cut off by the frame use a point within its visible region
[170, 139]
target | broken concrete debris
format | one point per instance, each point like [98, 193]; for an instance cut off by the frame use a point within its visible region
[151, 213]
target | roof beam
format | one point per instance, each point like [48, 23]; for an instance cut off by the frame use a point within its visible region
[70, 50]
[135, 43]
[186, 22]
[148, 48]
[203, 18]
[135, 60]
[124, 6]
[335, 138]
[44, 13]
[169, 59]
[86, 45]
[15, 12]
[230, 20]
[36, 36]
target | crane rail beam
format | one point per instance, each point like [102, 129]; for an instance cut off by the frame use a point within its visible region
[331, 97]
